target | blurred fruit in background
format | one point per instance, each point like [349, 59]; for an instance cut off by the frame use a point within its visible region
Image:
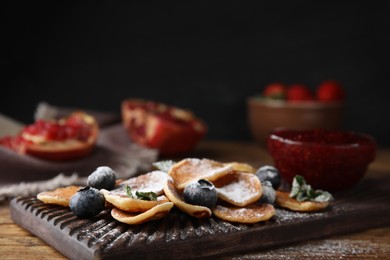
[67, 138]
[295, 106]
[299, 92]
[170, 130]
[330, 91]
[327, 91]
[275, 90]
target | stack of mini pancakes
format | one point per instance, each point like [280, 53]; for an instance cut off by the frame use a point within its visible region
[239, 191]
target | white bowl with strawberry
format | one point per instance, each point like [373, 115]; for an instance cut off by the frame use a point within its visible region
[296, 107]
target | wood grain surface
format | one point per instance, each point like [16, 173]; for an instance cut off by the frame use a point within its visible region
[16, 243]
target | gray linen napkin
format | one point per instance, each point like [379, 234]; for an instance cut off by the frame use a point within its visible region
[27, 175]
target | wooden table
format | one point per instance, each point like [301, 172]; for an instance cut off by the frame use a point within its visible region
[16, 243]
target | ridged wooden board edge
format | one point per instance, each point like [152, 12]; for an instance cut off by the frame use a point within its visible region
[180, 236]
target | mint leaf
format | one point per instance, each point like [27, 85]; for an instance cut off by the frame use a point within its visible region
[164, 165]
[128, 191]
[302, 191]
[140, 195]
[323, 196]
[146, 195]
[298, 181]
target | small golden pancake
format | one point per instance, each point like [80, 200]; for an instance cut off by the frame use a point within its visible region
[284, 200]
[239, 188]
[125, 203]
[174, 196]
[157, 212]
[241, 167]
[150, 182]
[250, 214]
[192, 169]
[59, 196]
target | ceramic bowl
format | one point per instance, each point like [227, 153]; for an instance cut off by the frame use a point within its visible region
[265, 115]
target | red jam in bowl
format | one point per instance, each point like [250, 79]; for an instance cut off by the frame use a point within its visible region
[327, 159]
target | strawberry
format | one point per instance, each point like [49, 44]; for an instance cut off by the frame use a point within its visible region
[275, 91]
[329, 91]
[299, 92]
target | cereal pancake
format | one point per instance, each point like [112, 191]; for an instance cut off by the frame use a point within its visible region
[157, 212]
[250, 214]
[241, 167]
[284, 200]
[152, 181]
[125, 203]
[194, 210]
[59, 196]
[239, 188]
[192, 169]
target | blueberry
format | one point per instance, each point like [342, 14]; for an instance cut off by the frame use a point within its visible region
[102, 178]
[269, 173]
[269, 194]
[87, 202]
[201, 192]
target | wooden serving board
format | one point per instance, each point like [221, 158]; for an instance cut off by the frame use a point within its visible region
[181, 236]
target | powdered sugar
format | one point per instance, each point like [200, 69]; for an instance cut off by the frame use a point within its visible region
[153, 181]
[236, 192]
[239, 189]
[283, 215]
[324, 249]
[191, 169]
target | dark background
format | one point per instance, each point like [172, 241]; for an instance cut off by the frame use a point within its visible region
[208, 57]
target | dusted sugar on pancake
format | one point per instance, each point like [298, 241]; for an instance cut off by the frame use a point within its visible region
[150, 182]
[241, 167]
[191, 169]
[250, 214]
[126, 203]
[59, 196]
[239, 189]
